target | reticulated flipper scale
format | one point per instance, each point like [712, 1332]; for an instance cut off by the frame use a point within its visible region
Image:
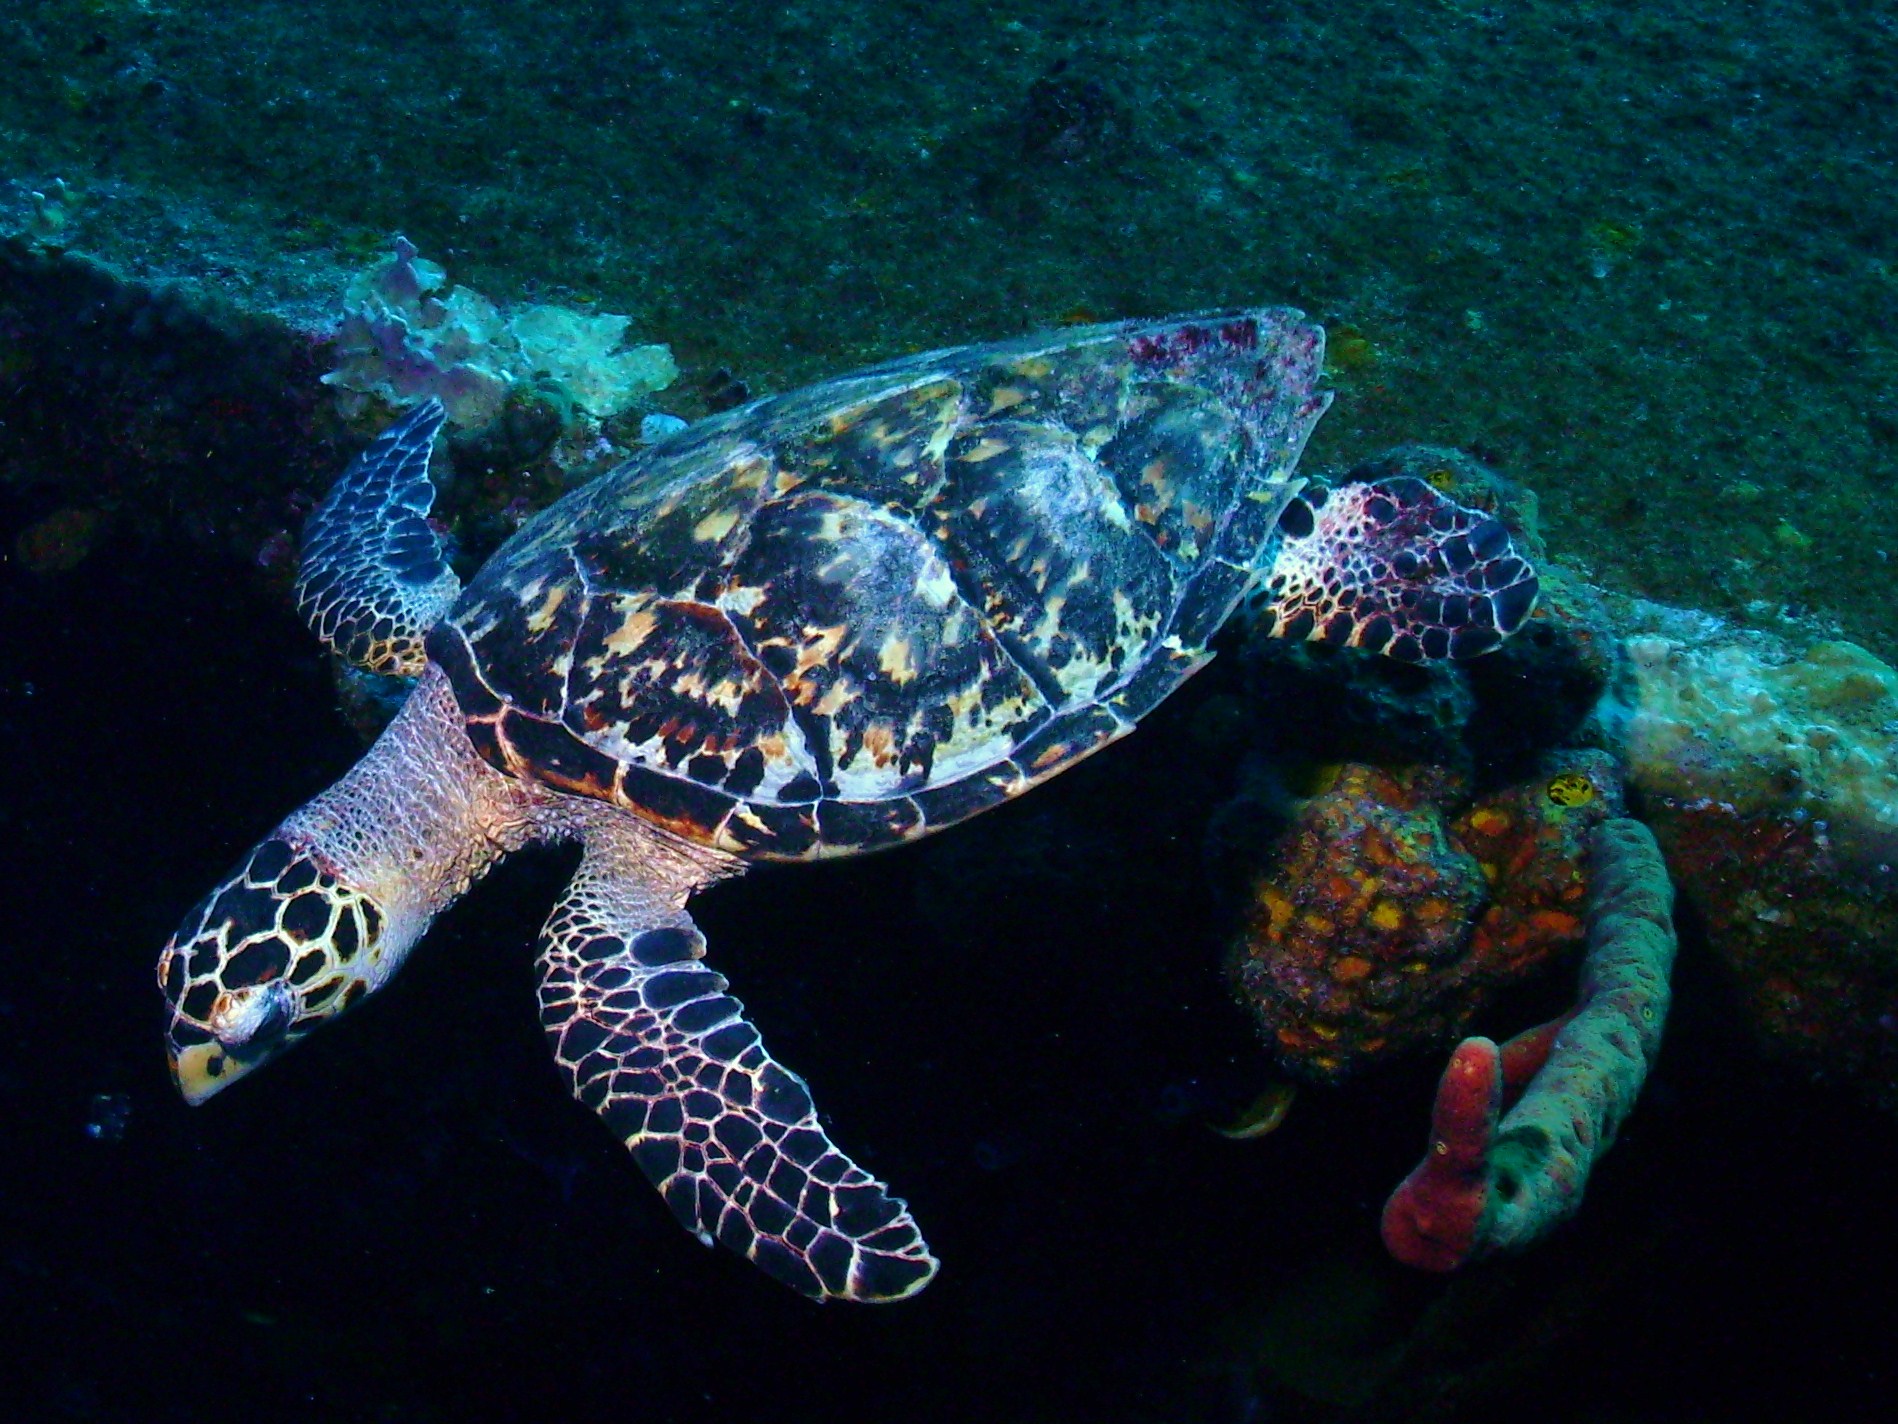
[1397, 567]
[655, 1045]
[374, 576]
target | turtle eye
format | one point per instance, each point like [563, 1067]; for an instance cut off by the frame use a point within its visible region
[251, 1020]
[255, 1026]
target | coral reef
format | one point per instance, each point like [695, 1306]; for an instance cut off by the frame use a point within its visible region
[1766, 763]
[402, 342]
[1641, 251]
[1500, 1181]
[1398, 904]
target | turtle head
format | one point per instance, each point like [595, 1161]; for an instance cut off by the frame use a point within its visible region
[281, 945]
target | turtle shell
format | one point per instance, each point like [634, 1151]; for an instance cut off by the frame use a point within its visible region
[844, 617]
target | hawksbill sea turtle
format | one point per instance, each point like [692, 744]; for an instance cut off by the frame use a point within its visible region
[822, 623]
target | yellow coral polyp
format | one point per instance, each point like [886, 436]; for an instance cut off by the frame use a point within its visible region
[1278, 907]
[1571, 788]
[1386, 915]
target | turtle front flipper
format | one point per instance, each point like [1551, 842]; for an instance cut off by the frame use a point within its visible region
[656, 1046]
[375, 576]
[1397, 567]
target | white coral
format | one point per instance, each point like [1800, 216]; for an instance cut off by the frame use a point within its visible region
[400, 341]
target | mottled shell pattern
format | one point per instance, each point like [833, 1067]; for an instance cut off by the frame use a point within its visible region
[842, 618]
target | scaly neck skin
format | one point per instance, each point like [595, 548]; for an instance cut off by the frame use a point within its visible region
[421, 817]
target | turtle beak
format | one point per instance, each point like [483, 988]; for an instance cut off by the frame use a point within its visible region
[248, 1027]
[201, 1069]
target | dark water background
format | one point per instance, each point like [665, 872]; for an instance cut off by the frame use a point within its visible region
[1022, 1025]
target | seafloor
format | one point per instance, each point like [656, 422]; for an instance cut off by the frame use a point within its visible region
[1643, 258]
[1638, 255]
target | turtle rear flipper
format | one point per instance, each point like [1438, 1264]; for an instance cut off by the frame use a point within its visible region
[374, 576]
[655, 1045]
[1396, 567]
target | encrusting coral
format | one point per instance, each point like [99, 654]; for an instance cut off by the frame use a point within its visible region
[1398, 905]
[1768, 771]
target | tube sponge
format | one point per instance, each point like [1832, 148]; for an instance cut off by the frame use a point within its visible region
[1501, 1181]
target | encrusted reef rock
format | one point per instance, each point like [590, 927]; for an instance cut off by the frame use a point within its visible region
[1805, 734]
[1806, 940]
[1765, 763]
[1399, 903]
[1768, 770]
